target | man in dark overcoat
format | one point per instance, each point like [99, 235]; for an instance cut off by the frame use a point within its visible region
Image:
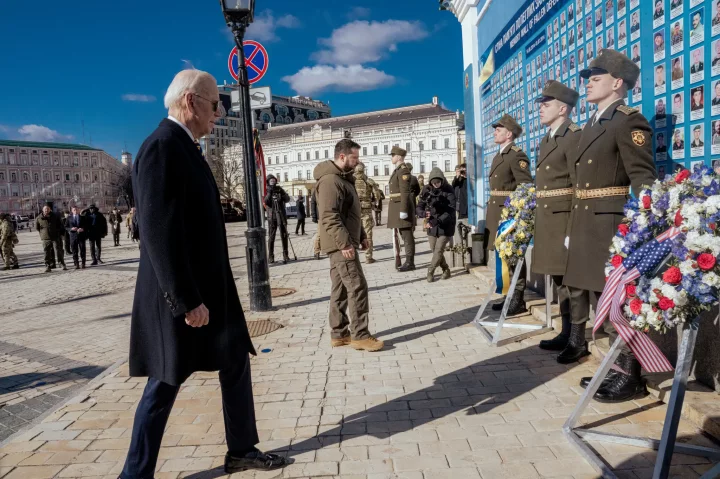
[554, 180]
[401, 209]
[186, 314]
[510, 168]
[614, 154]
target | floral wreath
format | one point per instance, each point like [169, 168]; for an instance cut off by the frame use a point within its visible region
[688, 203]
[519, 208]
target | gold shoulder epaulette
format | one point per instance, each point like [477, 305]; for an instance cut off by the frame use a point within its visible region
[404, 166]
[515, 148]
[573, 127]
[627, 110]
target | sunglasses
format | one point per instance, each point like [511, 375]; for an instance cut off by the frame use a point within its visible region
[213, 103]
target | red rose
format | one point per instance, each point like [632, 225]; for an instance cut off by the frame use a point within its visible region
[672, 275]
[623, 229]
[678, 218]
[646, 201]
[712, 226]
[682, 176]
[636, 306]
[616, 260]
[666, 303]
[706, 261]
[630, 289]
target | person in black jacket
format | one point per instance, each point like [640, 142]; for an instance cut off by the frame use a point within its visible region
[300, 214]
[437, 205]
[275, 200]
[98, 230]
[66, 237]
[459, 184]
[314, 215]
[77, 227]
[186, 314]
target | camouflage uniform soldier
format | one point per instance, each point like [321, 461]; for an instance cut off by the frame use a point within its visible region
[8, 240]
[365, 191]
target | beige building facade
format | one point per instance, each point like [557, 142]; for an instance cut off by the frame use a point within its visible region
[428, 132]
[33, 173]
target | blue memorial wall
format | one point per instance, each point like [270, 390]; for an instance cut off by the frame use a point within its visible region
[676, 44]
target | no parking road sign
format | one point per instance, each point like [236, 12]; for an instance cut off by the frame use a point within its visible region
[256, 60]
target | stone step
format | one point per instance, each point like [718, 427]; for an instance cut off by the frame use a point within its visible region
[701, 406]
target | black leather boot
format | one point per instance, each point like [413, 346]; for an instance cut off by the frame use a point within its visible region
[577, 347]
[625, 386]
[446, 274]
[498, 305]
[517, 304]
[286, 258]
[585, 382]
[559, 342]
[431, 275]
[408, 266]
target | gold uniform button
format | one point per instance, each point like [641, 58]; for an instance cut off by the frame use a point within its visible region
[586, 207]
[547, 167]
[577, 163]
[545, 206]
[575, 206]
[589, 162]
[587, 185]
[545, 187]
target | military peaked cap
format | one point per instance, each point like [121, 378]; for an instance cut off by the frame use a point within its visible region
[554, 90]
[616, 64]
[509, 122]
[396, 150]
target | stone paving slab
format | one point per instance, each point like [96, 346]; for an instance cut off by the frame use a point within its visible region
[437, 402]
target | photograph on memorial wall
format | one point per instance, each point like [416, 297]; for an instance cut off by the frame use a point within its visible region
[679, 86]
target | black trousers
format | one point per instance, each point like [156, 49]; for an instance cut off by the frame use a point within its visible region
[66, 243]
[378, 217]
[522, 279]
[156, 404]
[77, 245]
[300, 226]
[409, 241]
[95, 248]
[580, 301]
[274, 225]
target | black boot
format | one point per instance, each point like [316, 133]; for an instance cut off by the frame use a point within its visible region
[317, 255]
[408, 266]
[446, 273]
[271, 258]
[517, 304]
[498, 305]
[577, 347]
[431, 275]
[585, 382]
[559, 342]
[625, 386]
[286, 258]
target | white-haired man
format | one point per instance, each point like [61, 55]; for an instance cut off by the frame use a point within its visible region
[186, 314]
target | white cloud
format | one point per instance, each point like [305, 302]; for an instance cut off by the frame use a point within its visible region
[358, 12]
[41, 133]
[353, 78]
[362, 41]
[138, 97]
[4, 129]
[265, 25]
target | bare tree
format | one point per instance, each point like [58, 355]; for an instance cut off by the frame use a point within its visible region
[227, 167]
[125, 186]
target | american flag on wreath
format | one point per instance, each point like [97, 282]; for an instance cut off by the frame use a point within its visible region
[641, 262]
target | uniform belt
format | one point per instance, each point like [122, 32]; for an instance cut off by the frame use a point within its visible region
[555, 192]
[500, 193]
[602, 192]
[395, 195]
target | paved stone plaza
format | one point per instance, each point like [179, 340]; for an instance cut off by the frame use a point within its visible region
[438, 402]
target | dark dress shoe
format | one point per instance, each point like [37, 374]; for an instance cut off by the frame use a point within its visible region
[577, 347]
[48, 270]
[94, 263]
[407, 267]
[369, 261]
[317, 255]
[271, 259]
[254, 460]
[585, 382]
[624, 387]
[446, 274]
[17, 266]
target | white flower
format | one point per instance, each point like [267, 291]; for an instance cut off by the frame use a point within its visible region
[674, 198]
[646, 309]
[641, 221]
[686, 267]
[608, 270]
[706, 180]
[681, 299]
[711, 279]
[656, 283]
[618, 242]
[712, 204]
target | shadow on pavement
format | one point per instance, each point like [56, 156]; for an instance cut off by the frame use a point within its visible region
[20, 382]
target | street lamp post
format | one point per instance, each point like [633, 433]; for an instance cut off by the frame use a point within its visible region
[238, 15]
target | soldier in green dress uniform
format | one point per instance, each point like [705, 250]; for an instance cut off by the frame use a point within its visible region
[401, 210]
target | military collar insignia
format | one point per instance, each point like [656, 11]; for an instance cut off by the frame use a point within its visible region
[515, 148]
[626, 109]
[573, 127]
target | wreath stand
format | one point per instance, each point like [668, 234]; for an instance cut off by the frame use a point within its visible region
[667, 445]
[530, 329]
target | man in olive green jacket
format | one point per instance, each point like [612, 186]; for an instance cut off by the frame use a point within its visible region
[341, 232]
[51, 231]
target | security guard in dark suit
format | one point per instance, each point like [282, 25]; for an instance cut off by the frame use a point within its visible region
[509, 168]
[614, 154]
[401, 210]
[554, 180]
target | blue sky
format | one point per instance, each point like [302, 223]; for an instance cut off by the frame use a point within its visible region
[66, 63]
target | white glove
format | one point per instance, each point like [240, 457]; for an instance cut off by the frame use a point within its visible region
[567, 242]
[403, 215]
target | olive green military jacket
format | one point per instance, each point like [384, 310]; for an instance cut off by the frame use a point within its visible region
[614, 152]
[509, 168]
[364, 191]
[555, 172]
[401, 199]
